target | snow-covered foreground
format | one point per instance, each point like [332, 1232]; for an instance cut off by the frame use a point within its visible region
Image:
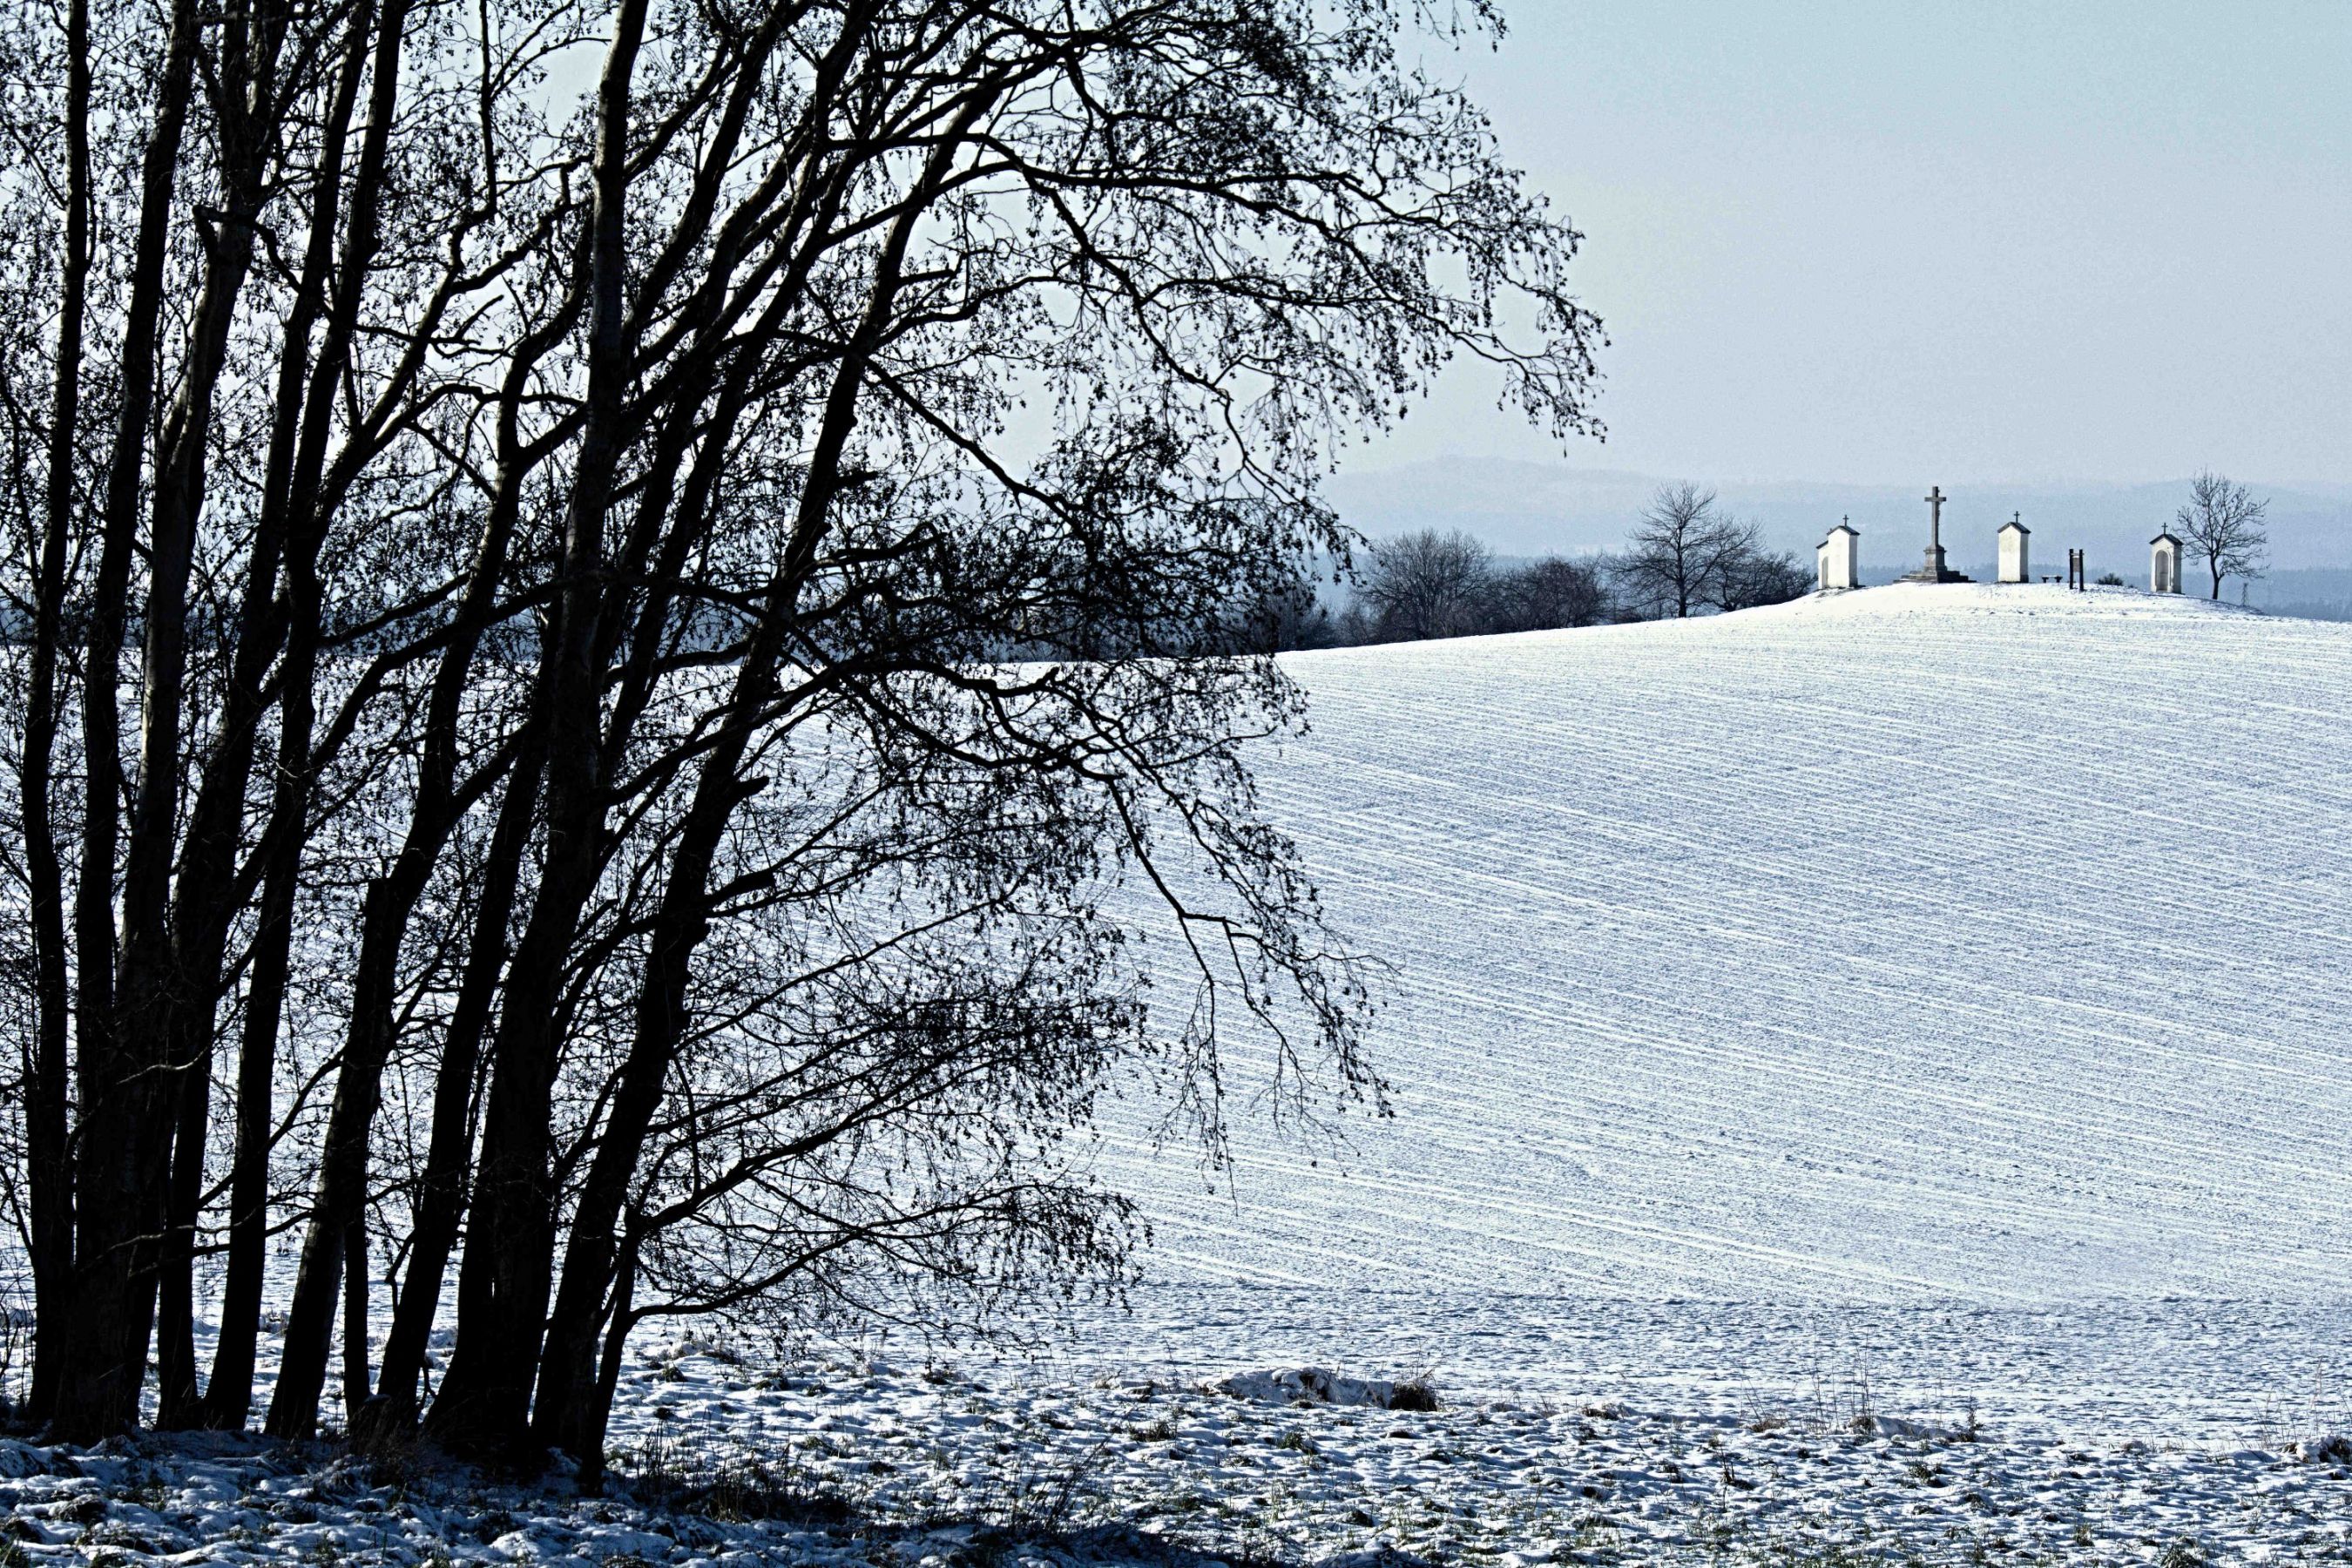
[1916, 944]
[857, 1461]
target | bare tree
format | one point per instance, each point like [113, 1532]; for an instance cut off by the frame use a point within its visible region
[47, 1062]
[1751, 577]
[1276, 616]
[1427, 584]
[1682, 550]
[2223, 524]
[1549, 595]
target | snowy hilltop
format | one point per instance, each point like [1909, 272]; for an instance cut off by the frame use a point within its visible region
[1911, 943]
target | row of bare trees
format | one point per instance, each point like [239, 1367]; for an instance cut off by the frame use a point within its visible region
[604, 594]
[1684, 556]
[1431, 584]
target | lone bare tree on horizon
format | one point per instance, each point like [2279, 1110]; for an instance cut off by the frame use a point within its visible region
[1428, 584]
[2223, 524]
[1683, 548]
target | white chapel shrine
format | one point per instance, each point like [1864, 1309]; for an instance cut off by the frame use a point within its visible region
[1837, 559]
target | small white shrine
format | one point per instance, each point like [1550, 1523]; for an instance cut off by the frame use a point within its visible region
[2016, 563]
[1837, 558]
[2163, 563]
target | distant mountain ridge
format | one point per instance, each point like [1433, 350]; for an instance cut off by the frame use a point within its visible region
[1537, 508]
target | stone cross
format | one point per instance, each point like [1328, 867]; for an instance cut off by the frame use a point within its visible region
[1934, 569]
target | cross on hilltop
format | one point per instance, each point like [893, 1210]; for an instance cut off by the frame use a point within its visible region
[1934, 569]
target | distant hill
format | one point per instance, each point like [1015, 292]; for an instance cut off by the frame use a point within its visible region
[1914, 944]
[1535, 508]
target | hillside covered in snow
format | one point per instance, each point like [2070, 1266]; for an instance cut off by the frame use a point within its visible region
[1917, 943]
[1855, 1063]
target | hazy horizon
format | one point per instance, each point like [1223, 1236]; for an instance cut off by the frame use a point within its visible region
[1603, 462]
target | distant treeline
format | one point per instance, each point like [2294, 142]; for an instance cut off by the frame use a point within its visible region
[1684, 558]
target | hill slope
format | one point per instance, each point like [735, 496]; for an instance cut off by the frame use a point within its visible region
[1913, 943]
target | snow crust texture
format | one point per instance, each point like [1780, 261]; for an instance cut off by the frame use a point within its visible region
[903, 1467]
[1912, 943]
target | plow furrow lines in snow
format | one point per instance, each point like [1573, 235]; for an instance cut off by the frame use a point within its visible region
[1915, 942]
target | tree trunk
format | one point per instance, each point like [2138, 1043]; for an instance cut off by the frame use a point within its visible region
[568, 1415]
[228, 1397]
[48, 1150]
[156, 1001]
[342, 1167]
[483, 1410]
[355, 1320]
[608, 1376]
[178, 1402]
[154, 1055]
[205, 888]
[441, 1198]
[485, 1404]
[118, 1207]
[342, 1173]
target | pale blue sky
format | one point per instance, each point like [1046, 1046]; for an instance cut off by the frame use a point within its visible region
[1881, 242]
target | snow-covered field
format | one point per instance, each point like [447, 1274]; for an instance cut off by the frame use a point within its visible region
[1872, 1081]
[1920, 942]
